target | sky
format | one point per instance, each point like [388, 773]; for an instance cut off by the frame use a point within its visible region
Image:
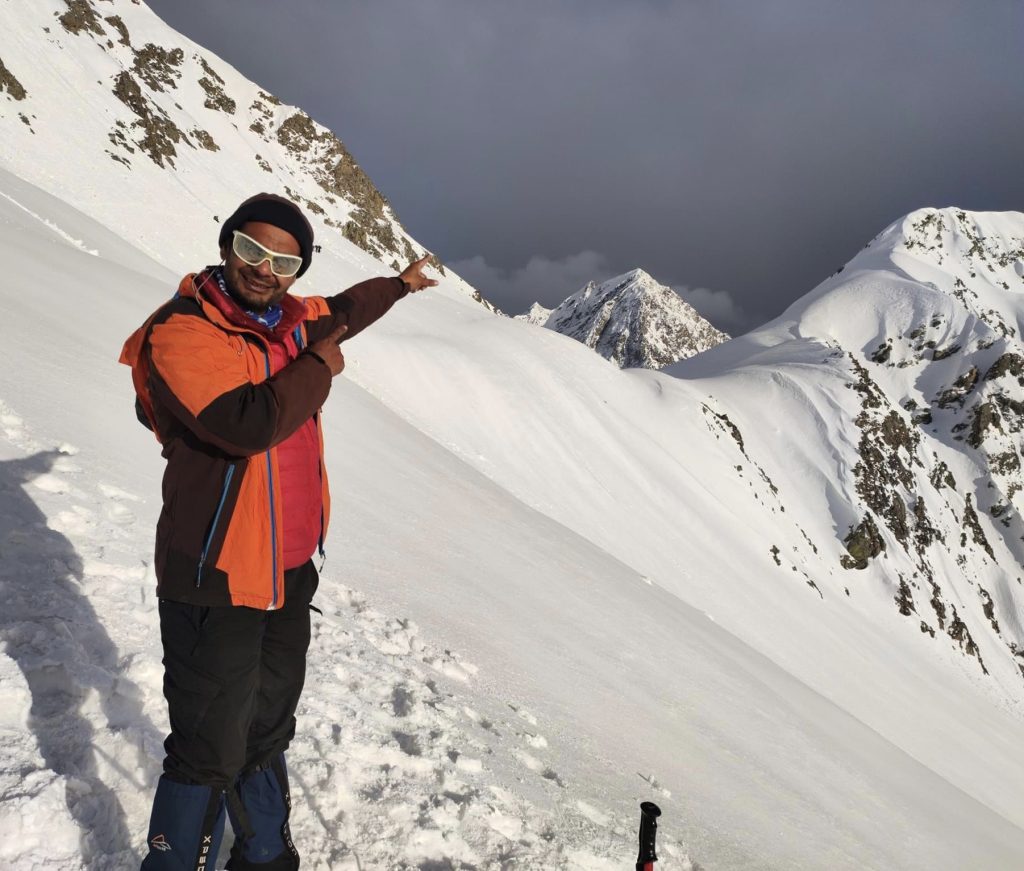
[740, 152]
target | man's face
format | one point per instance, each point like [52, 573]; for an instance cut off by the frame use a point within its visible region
[256, 287]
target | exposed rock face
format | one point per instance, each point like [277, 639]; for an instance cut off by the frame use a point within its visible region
[160, 135]
[118, 25]
[10, 84]
[81, 16]
[159, 68]
[635, 321]
[213, 84]
[333, 168]
[863, 543]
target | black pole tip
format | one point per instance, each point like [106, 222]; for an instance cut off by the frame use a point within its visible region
[650, 809]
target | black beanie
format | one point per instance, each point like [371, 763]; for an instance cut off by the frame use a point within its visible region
[272, 209]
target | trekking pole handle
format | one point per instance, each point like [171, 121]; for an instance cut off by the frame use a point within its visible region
[649, 813]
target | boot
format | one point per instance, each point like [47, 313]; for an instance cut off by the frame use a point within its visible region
[185, 828]
[263, 840]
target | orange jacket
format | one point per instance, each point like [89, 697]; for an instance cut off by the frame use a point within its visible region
[204, 386]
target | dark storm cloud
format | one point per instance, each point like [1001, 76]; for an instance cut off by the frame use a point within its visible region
[750, 148]
[549, 281]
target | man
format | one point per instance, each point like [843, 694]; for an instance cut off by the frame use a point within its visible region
[230, 375]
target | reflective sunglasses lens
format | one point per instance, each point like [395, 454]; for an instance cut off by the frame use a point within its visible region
[249, 250]
[285, 265]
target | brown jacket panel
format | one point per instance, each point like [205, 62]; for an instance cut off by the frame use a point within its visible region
[356, 308]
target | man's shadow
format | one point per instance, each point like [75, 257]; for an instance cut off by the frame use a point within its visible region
[49, 628]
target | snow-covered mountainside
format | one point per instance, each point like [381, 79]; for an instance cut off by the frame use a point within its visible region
[634, 321]
[488, 686]
[774, 588]
[917, 385]
[170, 134]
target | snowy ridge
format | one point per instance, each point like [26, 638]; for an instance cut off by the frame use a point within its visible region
[922, 330]
[634, 321]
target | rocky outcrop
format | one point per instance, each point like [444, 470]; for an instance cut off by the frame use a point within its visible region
[159, 134]
[213, 85]
[81, 17]
[10, 84]
[159, 68]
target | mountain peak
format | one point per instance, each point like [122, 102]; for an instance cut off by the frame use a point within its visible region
[634, 321]
[636, 274]
[536, 314]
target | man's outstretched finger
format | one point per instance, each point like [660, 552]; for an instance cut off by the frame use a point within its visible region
[337, 334]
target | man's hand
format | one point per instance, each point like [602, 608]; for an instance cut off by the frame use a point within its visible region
[327, 350]
[414, 277]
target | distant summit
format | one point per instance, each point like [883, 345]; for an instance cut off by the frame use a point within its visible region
[536, 314]
[632, 320]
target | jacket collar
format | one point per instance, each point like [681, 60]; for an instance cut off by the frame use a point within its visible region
[225, 312]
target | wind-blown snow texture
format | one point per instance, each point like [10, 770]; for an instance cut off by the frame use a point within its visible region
[554, 588]
[634, 321]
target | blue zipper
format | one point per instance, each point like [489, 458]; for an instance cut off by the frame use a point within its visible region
[213, 526]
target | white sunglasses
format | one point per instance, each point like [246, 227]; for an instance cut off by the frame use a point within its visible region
[252, 252]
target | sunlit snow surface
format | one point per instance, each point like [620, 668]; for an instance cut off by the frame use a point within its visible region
[554, 588]
[487, 686]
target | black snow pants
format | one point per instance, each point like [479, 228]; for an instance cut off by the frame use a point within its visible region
[232, 679]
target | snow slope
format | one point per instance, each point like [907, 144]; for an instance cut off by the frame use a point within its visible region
[487, 686]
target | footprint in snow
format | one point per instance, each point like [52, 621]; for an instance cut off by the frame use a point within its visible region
[50, 484]
[402, 701]
[77, 520]
[523, 714]
[120, 515]
[12, 425]
[112, 492]
[117, 512]
[481, 721]
[537, 742]
[535, 765]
